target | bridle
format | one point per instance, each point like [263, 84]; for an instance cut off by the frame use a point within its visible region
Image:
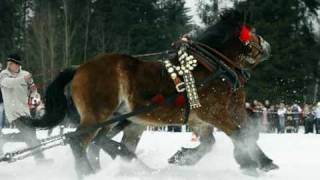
[252, 47]
[220, 55]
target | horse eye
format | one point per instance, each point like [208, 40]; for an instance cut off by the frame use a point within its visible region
[253, 30]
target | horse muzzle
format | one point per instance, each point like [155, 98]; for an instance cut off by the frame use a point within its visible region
[266, 48]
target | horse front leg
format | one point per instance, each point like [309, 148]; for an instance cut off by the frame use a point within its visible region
[191, 156]
[248, 153]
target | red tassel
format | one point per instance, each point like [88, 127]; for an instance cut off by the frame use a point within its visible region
[157, 99]
[245, 33]
[180, 100]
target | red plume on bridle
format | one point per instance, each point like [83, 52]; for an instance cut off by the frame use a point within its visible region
[245, 33]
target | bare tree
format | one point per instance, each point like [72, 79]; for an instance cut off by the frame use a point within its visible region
[66, 33]
[52, 40]
[38, 46]
[70, 30]
[43, 42]
[86, 36]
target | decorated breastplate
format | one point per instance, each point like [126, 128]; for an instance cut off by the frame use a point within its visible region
[186, 64]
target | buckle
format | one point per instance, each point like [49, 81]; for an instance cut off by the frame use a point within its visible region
[180, 87]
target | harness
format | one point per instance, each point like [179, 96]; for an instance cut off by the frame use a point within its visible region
[189, 54]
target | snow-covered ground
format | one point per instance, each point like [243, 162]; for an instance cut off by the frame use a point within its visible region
[298, 156]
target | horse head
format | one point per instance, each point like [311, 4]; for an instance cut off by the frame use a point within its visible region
[233, 36]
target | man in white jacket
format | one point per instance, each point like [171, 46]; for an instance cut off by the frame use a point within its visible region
[281, 118]
[1, 109]
[16, 85]
[316, 114]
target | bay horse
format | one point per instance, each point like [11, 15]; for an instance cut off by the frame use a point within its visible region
[113, 83]
[132, 132]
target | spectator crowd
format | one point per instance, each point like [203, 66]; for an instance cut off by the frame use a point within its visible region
[272, 118]
[284, 118]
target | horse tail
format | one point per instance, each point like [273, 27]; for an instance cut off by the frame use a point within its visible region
[56, 104]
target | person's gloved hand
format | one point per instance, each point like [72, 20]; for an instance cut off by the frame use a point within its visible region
[29, 80]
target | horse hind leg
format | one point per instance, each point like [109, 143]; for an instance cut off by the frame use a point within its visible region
[131, 136]
[78, 146]
[102, 141]
[121, 149]
[82, 164]
[94, 150]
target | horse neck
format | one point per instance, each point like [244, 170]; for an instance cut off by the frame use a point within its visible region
[232, 52]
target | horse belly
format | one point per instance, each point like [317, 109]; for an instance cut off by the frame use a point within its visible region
[163, 116]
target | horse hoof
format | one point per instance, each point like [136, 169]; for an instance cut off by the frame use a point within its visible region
[84, 169]
[250, 172]
[42, 162]
[86, 172]
[269, 167]
[184, 157]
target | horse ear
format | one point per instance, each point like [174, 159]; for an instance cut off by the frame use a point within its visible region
[246, 17]
[249, 17]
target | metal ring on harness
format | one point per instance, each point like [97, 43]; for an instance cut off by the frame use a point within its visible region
[180, 87]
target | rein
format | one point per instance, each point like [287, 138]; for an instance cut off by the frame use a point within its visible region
[216, 52]
[212, 59]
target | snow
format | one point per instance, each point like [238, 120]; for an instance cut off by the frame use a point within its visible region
[296, 154]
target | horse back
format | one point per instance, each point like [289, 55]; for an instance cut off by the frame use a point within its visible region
[107, 80]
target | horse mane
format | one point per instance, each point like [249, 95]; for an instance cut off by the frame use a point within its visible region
[227, 25]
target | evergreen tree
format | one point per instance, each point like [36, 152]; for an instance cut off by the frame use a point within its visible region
[139, 26]
[55, 34]
[11, 30]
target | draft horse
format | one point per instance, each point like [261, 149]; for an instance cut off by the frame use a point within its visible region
[113, 83]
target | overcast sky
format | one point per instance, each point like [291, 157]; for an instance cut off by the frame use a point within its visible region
[192, 4]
